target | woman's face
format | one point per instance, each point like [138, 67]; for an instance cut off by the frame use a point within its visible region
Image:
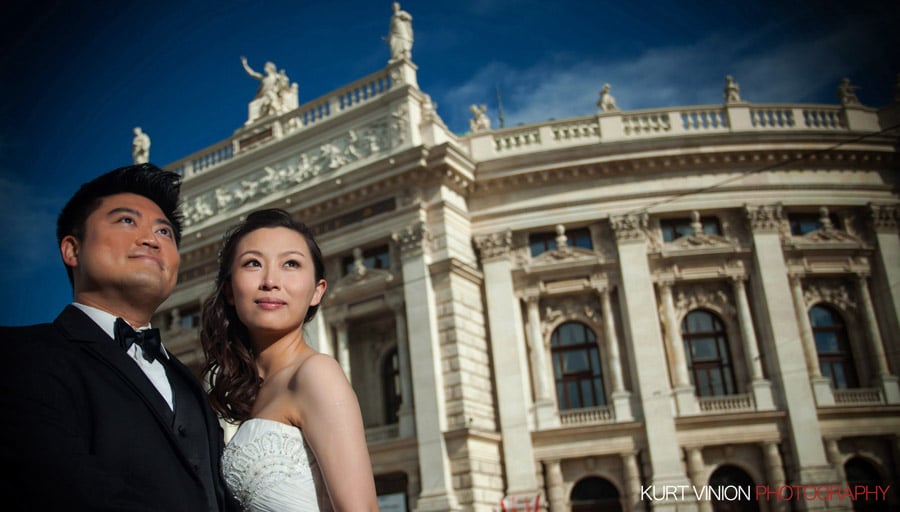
[273, 281]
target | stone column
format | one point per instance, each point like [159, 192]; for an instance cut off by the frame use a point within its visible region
[427, 378]
[556, 493]
[886, 381]
[782, 334]
[685, 397]
[697, 474]
[547, 414]
[775, 474]
[316, 333]
[821, 385]
[510, 363]
[407, 426]
[645, 340]
[620, 397]
[760, 387]
[632, 481]
[343, 346]
[886, 273]
[834, 456]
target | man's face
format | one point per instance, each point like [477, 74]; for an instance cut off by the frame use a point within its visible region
[127, 256]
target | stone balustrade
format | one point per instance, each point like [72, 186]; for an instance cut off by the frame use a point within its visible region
[726, 403]
[857, 396]
[586, 416]
[383, 433]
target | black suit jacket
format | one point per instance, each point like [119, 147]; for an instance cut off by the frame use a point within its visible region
[83, 428]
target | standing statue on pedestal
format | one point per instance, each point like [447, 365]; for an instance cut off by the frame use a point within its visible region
[480, 122]
[401, 34]
[607, 102]
[732, 90]
[275, 94]
[140, 146]
[847, 93]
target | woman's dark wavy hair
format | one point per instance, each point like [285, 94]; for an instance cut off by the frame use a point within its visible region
[230, 367]
[161, 187]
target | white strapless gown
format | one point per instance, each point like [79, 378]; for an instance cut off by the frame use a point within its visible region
[269, 468]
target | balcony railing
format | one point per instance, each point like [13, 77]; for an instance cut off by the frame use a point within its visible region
[727, 403]
[383, 433]
[858, 396]
[586, 416]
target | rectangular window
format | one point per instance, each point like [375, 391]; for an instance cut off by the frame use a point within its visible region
[803, 223]
[375, 258]
[546, 240]
[673, 229]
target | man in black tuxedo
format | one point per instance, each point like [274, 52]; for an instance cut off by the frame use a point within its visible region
[96, 414]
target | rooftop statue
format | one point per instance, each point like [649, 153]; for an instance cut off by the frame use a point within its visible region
[481, 121]
[847, 93]
[275, 94]
[607, 102]
[400, 38]
[732, 90]
[140, 146]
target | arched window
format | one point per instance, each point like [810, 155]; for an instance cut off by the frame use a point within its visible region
[727, 486]
[576, 366]
[708, 357]
[595, 494]
[390, 385]
[833, 347]
[861, 473]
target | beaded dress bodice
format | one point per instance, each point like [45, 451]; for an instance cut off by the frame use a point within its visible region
[269, 468]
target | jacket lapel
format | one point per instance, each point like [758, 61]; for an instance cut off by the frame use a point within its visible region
[79, 328]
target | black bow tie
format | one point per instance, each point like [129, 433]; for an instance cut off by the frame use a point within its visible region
[148, 339]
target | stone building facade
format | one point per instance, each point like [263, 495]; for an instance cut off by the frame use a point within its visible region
[595, 310]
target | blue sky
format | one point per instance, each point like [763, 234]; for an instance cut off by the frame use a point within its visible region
[77, 77]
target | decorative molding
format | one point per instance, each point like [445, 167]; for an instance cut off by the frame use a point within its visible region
[714, 296]
[830, 291]
[558, 311]
[765, 218]
[494, 245]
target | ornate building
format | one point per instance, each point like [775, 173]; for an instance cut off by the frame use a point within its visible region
[595, 309]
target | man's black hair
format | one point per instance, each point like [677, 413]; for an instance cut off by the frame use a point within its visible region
[147, 180]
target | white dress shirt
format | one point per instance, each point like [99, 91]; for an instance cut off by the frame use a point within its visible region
[154, 370]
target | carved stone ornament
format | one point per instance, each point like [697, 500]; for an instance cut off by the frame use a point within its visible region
[494, 245]
[713, 296]
[827, 233]
[414, 239]
[829, 291]
[568, 309]
[766, 218]
[699, 238]
[350, 147]
[630, 227]
[884, 218]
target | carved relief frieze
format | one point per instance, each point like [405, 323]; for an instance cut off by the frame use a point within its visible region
[351, 146]
[831, 291]
[557, 311]
[714, 295]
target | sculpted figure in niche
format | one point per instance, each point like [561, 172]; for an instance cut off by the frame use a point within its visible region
[480, 122]
[400, 38]
[732, 90]
[275, 94]
[140, 146]
[607, 102]
[847, 93]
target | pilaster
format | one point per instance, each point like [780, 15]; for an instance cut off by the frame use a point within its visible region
[427, 378]
[511, 366]
[646, 344]
[759, 386]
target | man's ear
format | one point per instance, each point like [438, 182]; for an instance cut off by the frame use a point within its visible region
[69, 249]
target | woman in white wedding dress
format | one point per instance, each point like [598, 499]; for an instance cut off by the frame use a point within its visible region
[301, 444]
